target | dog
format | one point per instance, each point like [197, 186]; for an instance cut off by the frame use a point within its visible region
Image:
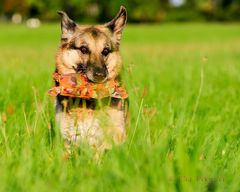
[93, 51]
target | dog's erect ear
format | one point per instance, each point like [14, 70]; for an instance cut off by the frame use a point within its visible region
[67, 25]
[117, 24]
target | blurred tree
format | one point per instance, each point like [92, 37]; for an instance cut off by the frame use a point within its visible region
[74, 8]
[206, 9]
[44, 9]
[226, 3]
[138, 10]
[143, 11]
[11, 6]
[234, 11]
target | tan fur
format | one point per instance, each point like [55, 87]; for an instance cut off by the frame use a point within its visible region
[98, 127]
[67, 58]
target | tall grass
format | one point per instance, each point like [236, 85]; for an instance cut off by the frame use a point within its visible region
[183, 82]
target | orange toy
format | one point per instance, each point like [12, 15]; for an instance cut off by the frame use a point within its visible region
[77, 85]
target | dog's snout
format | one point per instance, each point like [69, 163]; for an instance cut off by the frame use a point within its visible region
[100, 72]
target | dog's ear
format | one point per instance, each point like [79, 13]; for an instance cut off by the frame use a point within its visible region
[117, 24]
[68, 26]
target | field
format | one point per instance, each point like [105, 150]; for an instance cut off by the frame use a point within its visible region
[183, 81]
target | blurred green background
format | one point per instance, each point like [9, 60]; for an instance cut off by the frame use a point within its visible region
[184, 133]
[138, 10]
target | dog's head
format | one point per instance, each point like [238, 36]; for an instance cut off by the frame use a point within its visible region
[92, 50]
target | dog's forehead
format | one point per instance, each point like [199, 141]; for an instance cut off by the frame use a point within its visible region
[93, 31]
[93, 34]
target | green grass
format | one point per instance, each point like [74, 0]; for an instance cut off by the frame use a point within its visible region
[184, 133]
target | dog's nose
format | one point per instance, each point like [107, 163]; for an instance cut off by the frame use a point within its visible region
[100, 72]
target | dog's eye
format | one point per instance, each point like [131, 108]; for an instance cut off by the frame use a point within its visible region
[84, 50]
[106, 51]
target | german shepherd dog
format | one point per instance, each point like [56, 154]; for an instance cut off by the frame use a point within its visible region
[94, 51]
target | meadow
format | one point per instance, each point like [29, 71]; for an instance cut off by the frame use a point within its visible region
[183, 82]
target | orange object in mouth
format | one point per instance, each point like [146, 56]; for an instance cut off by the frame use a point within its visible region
[77, 86]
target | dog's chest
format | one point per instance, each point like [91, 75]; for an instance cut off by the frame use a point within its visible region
[98, 127]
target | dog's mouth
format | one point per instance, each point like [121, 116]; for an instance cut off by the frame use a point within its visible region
[80, 68]
[96, 76]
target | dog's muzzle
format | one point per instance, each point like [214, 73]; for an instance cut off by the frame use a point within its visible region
[100, 73]
[97, 74]
[94, 74]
